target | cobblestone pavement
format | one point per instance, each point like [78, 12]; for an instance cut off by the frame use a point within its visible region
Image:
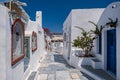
[54, 67]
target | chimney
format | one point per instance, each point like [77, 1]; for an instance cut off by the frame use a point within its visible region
[39, 17]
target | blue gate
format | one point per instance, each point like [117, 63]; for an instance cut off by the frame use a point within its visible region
[111, 51]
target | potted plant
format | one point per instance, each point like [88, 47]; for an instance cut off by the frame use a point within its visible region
[85, 42]
[112, 23]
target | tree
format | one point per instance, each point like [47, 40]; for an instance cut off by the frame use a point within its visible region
[98, 30]
[46, 30]
[85, 41]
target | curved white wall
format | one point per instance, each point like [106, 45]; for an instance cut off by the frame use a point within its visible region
[112, 11]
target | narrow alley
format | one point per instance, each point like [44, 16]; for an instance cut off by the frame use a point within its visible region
[54, 67]
[59, 40]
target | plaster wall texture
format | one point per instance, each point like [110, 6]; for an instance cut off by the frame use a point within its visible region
[7, 72]
[112, 11]
[16, 72]
[37, 27]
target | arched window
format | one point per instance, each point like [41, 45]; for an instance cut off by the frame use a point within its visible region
[17, 42]
[34, 41]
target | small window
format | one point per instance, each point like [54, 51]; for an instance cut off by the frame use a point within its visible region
[66, 41]
[17, 42]
[34, 41]
[100, 44]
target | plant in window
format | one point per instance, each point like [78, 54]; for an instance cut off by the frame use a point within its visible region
[112, 23]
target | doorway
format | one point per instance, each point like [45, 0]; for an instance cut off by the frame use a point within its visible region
[27, 51]
[111, 51]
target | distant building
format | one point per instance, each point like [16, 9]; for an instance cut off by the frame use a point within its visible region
[57, 42]
[47, 38]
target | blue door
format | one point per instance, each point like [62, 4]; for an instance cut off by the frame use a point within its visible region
[27, 41]
[27, 52]
[111, 51]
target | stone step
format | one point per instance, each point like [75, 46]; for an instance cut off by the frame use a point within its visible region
[33, 75]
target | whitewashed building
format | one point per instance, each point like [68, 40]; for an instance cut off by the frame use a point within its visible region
[57, 42]
[80, 18]
[35, 44]
[21, 42]
[107, 47]
[110, 41]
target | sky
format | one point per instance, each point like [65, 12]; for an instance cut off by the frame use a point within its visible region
[54, 12]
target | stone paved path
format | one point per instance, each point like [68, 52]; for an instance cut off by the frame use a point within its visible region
[54, 67]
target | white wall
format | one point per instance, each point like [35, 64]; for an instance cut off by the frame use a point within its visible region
[34, 59]
[39, 18]
[41, 42]
[16, 72]
[7, 72]
[38, 54]
[67, 30]
[37, 27]
[4, 30]
[112, 13]
[80, 18]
